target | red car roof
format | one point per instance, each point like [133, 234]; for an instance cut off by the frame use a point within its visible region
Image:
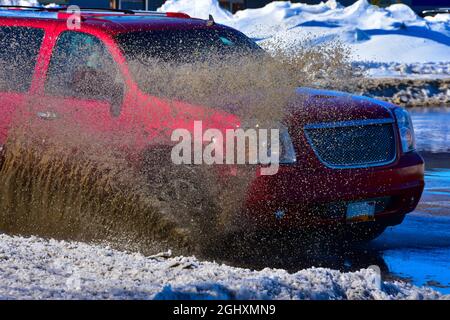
[111, 21]
[137, 22]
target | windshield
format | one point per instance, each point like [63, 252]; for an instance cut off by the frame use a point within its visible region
[184, 46]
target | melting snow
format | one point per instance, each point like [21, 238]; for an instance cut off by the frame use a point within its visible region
[33, 268]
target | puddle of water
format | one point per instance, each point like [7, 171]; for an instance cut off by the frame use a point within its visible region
[422, 267]
[418, 250]
[436, 198]
[432, 127]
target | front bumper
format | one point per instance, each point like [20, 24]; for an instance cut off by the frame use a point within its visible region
[299, 196]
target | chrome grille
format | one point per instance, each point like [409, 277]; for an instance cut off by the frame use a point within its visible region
[350, 144]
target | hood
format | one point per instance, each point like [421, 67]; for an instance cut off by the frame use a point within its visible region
[316, 106]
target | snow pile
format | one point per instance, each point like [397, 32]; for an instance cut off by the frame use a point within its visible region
[32, 3]
[26, 3]
[439, 18]
[394, 34]
[32, 268]
[389, 34]
[431, 70]
[198, 9]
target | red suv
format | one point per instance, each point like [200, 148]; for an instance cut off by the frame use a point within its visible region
[354, 162]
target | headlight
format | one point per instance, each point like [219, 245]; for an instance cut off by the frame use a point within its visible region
[406, 129]
[285, 149]
[273, 145]
[287, 154]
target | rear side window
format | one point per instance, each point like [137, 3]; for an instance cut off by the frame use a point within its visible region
[19, 50]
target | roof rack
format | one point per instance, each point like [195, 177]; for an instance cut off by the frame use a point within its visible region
[140, 12]
[52, 12]
[126, 11]
[61, 8]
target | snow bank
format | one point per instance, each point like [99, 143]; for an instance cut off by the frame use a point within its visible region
[19, 3]
[27, 3]
[430, 70]
[32, 268]
[198, 9]
[374, 34]
[389, 34]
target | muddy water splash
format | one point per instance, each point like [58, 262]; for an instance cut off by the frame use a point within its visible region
[66, 183]
[50, 191]
[94, 193]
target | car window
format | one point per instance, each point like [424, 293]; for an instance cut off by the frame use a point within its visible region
[81, 66]
[19, 50]
[144, 49]
[184, 45]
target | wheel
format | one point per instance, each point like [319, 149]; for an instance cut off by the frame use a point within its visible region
[186, 196]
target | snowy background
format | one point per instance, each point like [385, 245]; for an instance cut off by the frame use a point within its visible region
[390, 41]
[387, 42]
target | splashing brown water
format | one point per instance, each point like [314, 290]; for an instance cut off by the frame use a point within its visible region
[51, 192]
[66, 184]
[93, 193]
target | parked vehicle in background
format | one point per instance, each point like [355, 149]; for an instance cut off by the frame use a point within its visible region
[433, 12]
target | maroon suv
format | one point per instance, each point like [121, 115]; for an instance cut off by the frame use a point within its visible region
[354, 162]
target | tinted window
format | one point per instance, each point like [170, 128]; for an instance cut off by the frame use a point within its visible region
[81, 66]
[184, 45]
[19, 49]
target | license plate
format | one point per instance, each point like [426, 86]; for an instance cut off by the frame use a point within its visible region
[361, 212]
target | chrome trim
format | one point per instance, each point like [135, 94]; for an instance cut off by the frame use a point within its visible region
[352, 123]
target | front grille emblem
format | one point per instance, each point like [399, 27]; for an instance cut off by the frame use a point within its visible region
[279, 214]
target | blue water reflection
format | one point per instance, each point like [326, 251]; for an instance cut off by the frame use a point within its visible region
[418, 250]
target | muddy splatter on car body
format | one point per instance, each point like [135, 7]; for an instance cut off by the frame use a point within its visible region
[87, 120]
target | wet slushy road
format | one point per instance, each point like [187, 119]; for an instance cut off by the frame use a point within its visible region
[418, 250]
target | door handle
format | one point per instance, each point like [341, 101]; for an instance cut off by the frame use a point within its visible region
[47, 115]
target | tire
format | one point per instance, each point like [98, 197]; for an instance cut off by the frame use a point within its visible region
[185, 196]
